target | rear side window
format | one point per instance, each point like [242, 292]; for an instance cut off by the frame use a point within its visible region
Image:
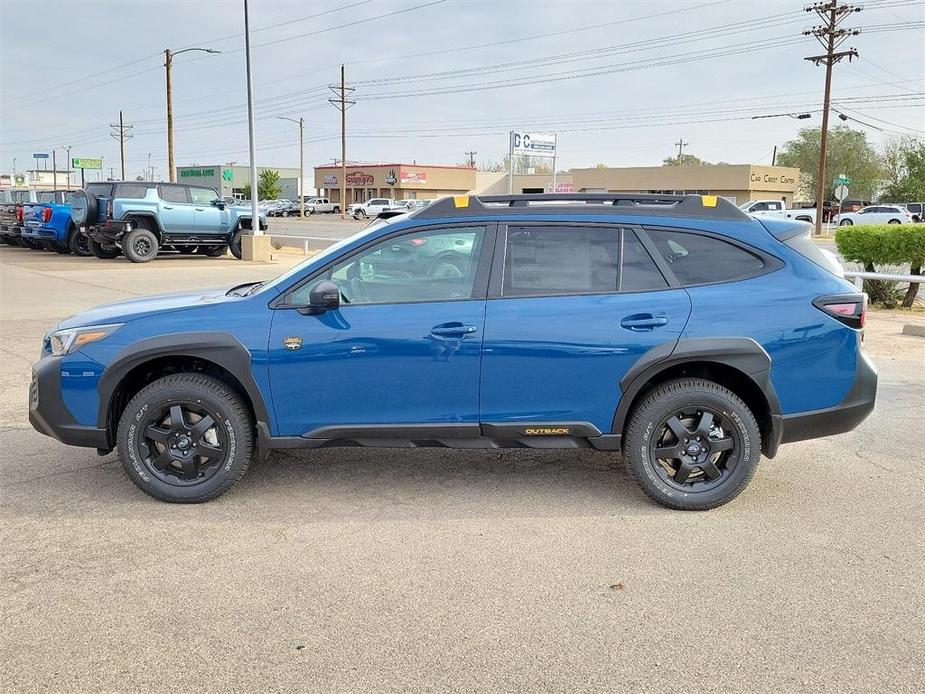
[560, 260]
[173, 194]
[131, 191]
[697, 259]
[45, 196]
[99, 189]
[639, 272]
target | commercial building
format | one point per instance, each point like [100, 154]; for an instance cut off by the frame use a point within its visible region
[229, 180]
[736, 182]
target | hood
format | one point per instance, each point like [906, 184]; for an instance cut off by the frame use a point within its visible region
[132, 309]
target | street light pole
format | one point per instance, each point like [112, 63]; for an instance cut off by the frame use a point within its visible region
[168, 66]
[301, 123]
[255, 218]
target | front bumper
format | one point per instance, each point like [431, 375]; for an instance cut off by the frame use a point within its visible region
[49, 415]
[110, 232]
[857, 404]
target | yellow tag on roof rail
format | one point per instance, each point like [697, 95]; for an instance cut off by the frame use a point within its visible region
[461, 200]
[708, 200]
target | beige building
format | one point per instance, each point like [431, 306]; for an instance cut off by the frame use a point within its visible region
[397, 181]
[737, 182]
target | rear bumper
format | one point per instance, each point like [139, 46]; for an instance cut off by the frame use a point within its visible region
[110, 232]
[38, 231]
[11, 230]
[49, 415]
[858, 403]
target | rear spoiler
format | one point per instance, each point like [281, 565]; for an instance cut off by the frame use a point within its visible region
[783, 229]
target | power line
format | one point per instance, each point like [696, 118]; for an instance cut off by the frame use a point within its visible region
[121, 132]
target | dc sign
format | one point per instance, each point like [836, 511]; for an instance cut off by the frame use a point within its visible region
[533, 144]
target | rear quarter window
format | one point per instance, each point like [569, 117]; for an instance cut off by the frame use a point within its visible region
[698, 259]
[131, 191]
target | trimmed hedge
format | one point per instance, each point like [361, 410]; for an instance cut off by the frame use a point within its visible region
[884, 244]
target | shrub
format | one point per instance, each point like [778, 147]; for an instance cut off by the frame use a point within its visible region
[875, 245]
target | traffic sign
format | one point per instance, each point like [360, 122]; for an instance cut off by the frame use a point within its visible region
[40, 155]
[841, 192]
[842, 180]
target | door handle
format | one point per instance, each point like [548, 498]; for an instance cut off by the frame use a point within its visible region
[643, 321]
[168, 207]
[200, 209]
[453, 330]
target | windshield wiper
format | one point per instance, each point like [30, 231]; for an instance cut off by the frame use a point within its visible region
[235, 290]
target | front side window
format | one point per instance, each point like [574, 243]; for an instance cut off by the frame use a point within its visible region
[560, 260]
[697, 259]
[438, 265]
[202, 196]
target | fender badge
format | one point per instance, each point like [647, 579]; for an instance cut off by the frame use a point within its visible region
[292, 343]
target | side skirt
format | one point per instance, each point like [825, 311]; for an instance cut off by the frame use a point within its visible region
[487, 435]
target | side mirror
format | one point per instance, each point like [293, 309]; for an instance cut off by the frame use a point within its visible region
[325, 296]
[219, 203]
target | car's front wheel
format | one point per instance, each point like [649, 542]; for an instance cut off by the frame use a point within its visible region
[235, 244]
[692, 444]
[185, 438]
[845, 223]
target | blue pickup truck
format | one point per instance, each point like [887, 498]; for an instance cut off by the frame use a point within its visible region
[14, 206]
[138, 219]
[50, 224]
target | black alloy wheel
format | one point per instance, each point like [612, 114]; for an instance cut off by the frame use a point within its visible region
[696, 448]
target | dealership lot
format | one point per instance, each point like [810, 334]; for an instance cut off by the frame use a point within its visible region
[346, 569]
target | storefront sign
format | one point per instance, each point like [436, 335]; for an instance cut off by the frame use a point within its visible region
[413, 177]
[197, 173]
[533, 144]
[84, 163]
[562, 187]
[330, 180]
[390, 178]
[358, 178]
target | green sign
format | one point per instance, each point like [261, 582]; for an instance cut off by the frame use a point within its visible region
[842, 180]
[227, 175]
[81, 163]
[197, 173]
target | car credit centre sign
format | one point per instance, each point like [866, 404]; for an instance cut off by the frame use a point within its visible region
[533, 144]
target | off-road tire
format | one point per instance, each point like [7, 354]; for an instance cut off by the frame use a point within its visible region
[102, 252]
[78, 243]
[645, 428]
[212, 395]
[235, 244]
[140, 245]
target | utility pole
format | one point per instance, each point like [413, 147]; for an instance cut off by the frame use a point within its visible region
[471, 156]
[301, 124]
[148, 173]
[831, 36]
[121, 133]
[54, 169]
[681, 145]
[169, 55]
[342, 103]
[68, 148]
[774, 156]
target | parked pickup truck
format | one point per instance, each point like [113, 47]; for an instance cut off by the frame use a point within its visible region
[321, 206]
[370, 208]
[13, 207]
[50, 224]
[777, 208]
[138, 218]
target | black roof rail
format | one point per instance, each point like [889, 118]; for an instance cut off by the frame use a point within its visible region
[705, 206]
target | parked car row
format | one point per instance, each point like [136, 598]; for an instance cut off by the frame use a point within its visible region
[376, 206]
[852, 212]
[136, 219]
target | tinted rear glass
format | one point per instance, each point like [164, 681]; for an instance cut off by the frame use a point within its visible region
[639, 272]
[99, 189]
[174, 194]
[697, 259]
[131, 191]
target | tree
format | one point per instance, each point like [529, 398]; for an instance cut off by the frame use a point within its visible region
[847, 152]
[268, 187]
[599, 165]
[521, 164]
[685, 160]
[908, 184]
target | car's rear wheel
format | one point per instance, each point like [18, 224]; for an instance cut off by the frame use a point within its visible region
[185, 438]
[235, 244]
[98, 250]
[894, 221]
[140, 245]
[359, 214]
[34, 245]
[845, 223]
[692, 444]
[78, 243]
[336, 209]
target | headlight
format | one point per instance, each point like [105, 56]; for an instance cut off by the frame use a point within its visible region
[65, 341]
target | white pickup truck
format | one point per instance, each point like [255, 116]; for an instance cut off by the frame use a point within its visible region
[371, 207]
[321, 206]
[777, 208]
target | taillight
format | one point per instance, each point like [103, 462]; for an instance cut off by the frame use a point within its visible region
[109, 208]
[46, 214]
[850, 309]
[19, 214]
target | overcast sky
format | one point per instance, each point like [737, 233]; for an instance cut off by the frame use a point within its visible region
[620, 81]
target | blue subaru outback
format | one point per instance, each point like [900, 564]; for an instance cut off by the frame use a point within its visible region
[677, 330]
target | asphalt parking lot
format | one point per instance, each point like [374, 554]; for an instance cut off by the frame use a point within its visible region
[349, 570]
